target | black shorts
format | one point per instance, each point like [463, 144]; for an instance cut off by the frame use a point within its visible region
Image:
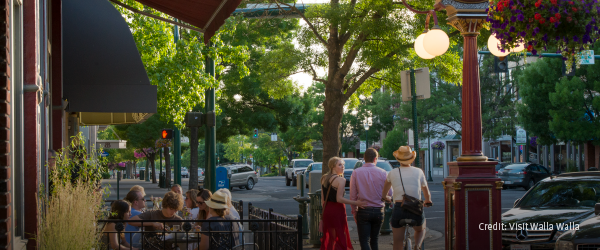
[400, 213]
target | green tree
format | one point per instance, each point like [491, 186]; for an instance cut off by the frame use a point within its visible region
[143, 137]
[353, 41]
[394, 139]
[556, 107]
[177, 69]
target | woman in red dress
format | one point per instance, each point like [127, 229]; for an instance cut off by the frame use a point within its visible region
[335, 221]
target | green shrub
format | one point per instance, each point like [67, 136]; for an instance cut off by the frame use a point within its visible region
[105, 175]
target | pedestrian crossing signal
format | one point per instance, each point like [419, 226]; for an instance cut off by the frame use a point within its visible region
[255, 133]
[167, 134]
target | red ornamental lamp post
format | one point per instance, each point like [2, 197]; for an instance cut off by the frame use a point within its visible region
[472, 191]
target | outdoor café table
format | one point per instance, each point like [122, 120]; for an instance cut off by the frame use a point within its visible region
[190, 243]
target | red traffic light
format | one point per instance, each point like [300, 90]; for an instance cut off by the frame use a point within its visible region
[167, 134]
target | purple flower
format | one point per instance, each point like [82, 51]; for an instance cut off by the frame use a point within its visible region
[575, 39]
[535, 31]
[556, 25]
[534, 52]
[522, 33]
[512, 28]
[520, 17]
[545, 38]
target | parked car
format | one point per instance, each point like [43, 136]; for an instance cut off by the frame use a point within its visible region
[241, 175]
[296, 167]
[523, 175]
[316, 167]
[381, 164]
[349, 169]
[200, 172]
[587, 236]
[501, 165]
[394, 163]
[184, 173]
[567, 199]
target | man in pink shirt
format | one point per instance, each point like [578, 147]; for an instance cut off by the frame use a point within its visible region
[366, 184]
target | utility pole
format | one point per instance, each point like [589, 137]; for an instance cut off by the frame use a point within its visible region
[414, 109]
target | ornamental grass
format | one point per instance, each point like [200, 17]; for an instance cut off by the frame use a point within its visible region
[68, 216]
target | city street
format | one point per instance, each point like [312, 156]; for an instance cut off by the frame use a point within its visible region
[271, 192]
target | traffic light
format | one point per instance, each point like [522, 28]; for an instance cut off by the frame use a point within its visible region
[167, 134]
[255, 133]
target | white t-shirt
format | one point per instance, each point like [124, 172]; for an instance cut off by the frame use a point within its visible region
[413, 179]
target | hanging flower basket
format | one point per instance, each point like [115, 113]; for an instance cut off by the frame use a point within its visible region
[160, 143]
[569, 26]
[438, 145]
[533, 141]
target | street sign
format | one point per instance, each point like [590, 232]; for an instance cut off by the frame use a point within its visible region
[363, 146]
[121, 144]
[422, 84]
[273, 137]
[104, 154]
[521, 137]
[586, 57]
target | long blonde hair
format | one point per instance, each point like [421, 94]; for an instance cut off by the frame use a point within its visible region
[333, 161]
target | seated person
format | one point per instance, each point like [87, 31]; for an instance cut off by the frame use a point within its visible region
[120, 210]
[136, 199]
[216, 233]
[171, 203]
[191, 204]
[203, 196]
[177, 189]
[231, 209]
[138, 188]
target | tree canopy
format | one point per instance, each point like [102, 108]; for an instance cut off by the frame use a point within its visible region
[556, 107]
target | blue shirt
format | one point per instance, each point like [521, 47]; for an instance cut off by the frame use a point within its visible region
[130, 227]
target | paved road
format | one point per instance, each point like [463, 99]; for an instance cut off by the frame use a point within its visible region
[271, 192]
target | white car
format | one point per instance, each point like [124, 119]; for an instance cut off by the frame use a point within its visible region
[185, 173]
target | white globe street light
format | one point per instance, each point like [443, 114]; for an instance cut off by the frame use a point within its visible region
[419, 49]
[493, 44]
[436, 42]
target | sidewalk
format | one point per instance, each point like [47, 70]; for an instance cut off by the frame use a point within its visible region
[437, 180]
[385, 241]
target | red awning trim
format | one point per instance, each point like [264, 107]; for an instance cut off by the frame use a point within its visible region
[209, 14]
[134, 10]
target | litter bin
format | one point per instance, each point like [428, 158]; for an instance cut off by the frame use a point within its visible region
[142, 174]
[315, 216]
[161, 180]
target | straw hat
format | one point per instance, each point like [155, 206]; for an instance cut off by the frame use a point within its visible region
[405, 155]
[217, 201]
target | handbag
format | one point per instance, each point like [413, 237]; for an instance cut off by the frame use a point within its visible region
[325, 199]
[410, 203]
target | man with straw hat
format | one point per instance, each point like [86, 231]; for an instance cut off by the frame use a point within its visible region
[410, 181]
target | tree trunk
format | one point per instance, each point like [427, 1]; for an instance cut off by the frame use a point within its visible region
[167, 167]
[153, 168]
[147, 167]
[193, 170]
[334, 108]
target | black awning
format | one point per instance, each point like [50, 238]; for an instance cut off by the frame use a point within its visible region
[102, 68]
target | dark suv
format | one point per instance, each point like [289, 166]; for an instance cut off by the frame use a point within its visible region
[564, 202]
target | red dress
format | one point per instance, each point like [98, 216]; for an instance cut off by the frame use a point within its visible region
[335, 224]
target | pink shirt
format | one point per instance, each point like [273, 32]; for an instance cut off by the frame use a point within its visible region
[366, 184]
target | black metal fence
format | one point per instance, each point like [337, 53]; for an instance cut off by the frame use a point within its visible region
[279, 231]
[264, 230]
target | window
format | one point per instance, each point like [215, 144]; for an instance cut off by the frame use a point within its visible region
[245, 169]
